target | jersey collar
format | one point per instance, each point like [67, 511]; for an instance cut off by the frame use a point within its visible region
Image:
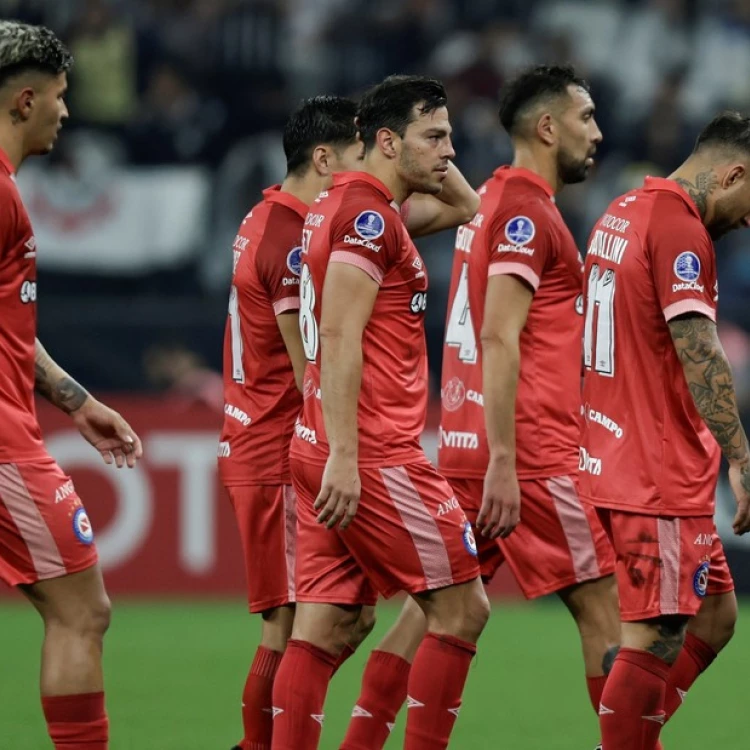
[527, 174]
[662, 183]
[345, 178]
[274, 194]
[5, 163]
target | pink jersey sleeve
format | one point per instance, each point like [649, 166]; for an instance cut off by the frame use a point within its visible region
[521, 243]
[683, 267]
[278, 265]
[366, 235]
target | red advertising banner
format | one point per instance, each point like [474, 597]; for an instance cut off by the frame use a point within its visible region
[166, 527]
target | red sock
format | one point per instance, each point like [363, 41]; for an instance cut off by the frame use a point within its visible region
[696, 656]
[345, 654]
[596, 688]
[632, 708]
[77, 722]
[299, 694]
[257, 704]
[436, 683]
[383, 693]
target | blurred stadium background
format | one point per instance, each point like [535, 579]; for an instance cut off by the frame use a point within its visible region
[176, 107]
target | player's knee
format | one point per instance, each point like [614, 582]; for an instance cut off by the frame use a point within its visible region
[96, 617]
[463, 616]
[725, 625]
[478, 612]
[364, 626]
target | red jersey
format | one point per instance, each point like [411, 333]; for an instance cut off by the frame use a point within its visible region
[356, 222]
[518, 231]
[645, 448]
[261, 400]
[20, 435]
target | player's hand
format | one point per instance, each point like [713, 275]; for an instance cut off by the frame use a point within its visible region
[501, 501]
[108, 432]
[339, 492]
[739, 481]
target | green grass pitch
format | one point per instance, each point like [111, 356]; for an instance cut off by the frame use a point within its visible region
[175, 674]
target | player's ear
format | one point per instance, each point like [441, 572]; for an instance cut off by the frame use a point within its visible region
[734, 175]
[321, 160]
[546, 129]
[22, 103]
[386, 140]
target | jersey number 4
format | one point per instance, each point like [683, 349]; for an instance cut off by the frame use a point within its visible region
[460, 330]
[238, 372]
[599, 344]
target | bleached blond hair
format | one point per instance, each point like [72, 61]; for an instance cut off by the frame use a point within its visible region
[31, 48]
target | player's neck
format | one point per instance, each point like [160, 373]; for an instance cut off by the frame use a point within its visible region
[698, 180]
[541, 164]
[306, 188]
[12, 144]
[384, 170]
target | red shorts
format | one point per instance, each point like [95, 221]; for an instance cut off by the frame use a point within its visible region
[665, 566]
[560, 541]
[409, 534]
[44, 529]
[267, 520]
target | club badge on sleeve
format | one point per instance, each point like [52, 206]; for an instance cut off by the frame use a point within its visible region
[369, 225]
[520, 230]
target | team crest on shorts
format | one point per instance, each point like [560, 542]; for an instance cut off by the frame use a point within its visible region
[369, 225]
[82, 526]
[520, 230]
[469, 541]
[294, 261]
[700, 579]
[687, 266]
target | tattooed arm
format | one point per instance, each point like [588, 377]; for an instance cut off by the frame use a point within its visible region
[709, 377]
[55, 384]
[103, 427]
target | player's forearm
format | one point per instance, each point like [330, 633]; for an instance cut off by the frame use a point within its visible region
[340, 382]
[52, 382]
[500, 367]
[709, 377]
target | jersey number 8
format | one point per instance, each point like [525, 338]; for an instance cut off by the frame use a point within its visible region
[308, 326]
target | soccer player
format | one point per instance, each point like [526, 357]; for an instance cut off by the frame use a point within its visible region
[46, 542]
[264, 358]
[373, 514]
[512, 361]
[660, 410]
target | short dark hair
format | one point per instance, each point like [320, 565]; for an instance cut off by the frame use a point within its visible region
[729, 130]
[390, 104]
[532, 86]
[31, 48]
[322, 119]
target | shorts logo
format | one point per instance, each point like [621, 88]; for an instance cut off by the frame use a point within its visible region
[369, 225]
[520, 230]
[687, 266]
[453, 394]
[700, 579]
[469, 541]
[294, 260]
[82, 527]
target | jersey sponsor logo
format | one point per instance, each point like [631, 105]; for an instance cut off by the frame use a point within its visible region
[475, 398]
[704, 540]
[689, 286]
[608, 246]
[520, 230]
[588, 463]
[418, 302]
[369, 225]
[224, 451]
[236, 413]
[64, 491]
[453, 394]
[687, 266]
[28, 292]
[294, 260]
[314, 220]
[597, 417]
[503, 248]
[579, 304]
[349, 240]
[82, 527]
[614, 222]
[305, 433]
[286, 281]
[456, 439]
[469, 541]
[700, 579]
[464, 239]
[447, 507]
